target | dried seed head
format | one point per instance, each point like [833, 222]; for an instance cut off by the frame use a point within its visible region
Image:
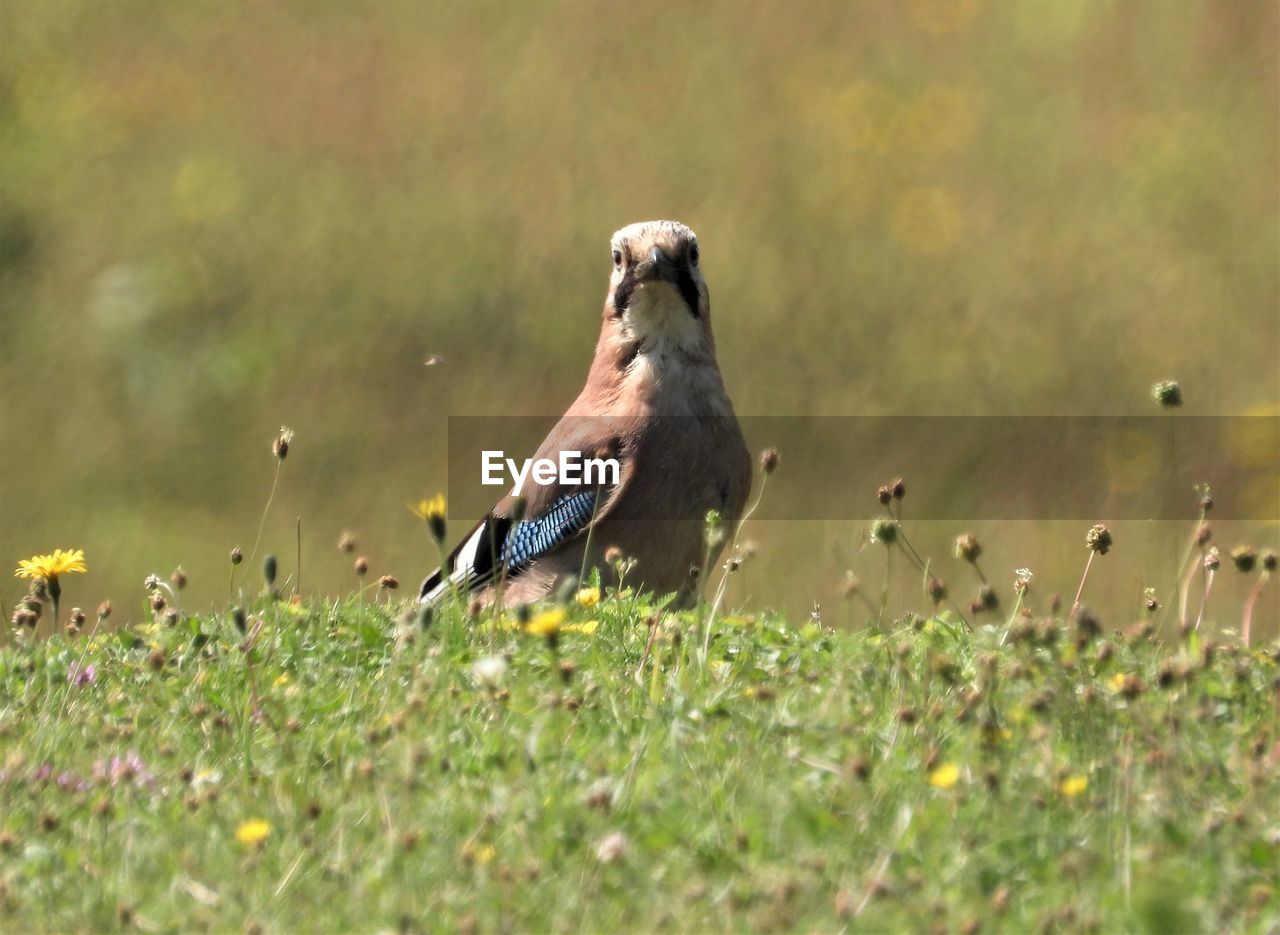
[770, 458]
[77, 617]
[388, 583]
[1212, 559]
[1149, 600]
[157, 601]
[987, 597]
[1203, 534]
[104, 610]
[347, 543]
[171, 617]
[1098, 539]
[151, 582]
[898, 489]
[1269, 560]
[612, 555]
[1022, 580]
[714, 530]
[236, 556]
[519, 507]
[269, 569]
[968, 547]
[178, 579]
[280, 447]
[1087, 626]
[936, 590]
[1132, 687]
[1245, 558]
[1167, 393]
[362, 566]
[884, 493]
[237, 618]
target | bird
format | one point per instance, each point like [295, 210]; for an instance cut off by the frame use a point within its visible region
[655, 402]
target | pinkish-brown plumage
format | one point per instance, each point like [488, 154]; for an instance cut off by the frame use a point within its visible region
[655, 401]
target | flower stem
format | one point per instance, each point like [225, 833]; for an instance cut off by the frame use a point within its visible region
[1204, 596]
[1247, 625]
[262, 523]
[1083, 579]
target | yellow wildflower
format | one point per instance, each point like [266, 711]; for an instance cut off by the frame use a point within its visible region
[588, 597]
[433, 512]
[547, 623]
[945, 776]
[586, 628]
[49, 567]
[1073, 785]
[477, 856]
[282, 679]
[1116, 682]
[253, 832]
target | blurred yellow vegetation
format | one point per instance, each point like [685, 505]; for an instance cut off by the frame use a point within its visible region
[942, 16]
[206, 188]
[926, 220]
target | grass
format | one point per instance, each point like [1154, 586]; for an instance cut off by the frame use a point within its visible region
[471, 775]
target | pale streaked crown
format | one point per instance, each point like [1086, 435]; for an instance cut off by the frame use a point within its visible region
[643, 236]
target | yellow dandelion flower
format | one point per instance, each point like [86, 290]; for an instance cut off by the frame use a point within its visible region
[49, 567]
[282, 679]
[588, 597]
[587, 627]
[1116, 682]
[253, 832]
[945, 776]
[433, 512]
[425, 509]
[1073, 785]
[548, 623]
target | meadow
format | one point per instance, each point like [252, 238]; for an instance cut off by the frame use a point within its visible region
[598, 761]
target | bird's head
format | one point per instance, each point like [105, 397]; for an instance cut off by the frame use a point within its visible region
[656, 290]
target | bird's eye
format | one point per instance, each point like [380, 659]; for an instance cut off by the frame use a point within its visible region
[617, 258]
[693, 255]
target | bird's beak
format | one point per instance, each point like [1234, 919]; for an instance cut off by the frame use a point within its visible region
[657, 266]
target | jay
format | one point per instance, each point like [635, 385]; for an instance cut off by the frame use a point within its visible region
[654, 402]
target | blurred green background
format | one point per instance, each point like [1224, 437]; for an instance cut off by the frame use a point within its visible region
[219, 218]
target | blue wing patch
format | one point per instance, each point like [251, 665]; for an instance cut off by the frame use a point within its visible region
[532, 538]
